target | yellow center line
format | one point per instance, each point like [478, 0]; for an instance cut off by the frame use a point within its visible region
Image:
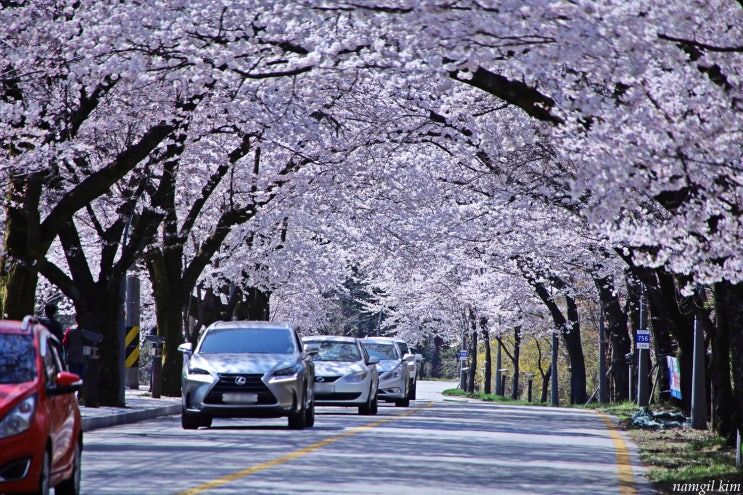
[624, 465]
[298, 453]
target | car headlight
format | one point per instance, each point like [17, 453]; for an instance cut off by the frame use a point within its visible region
[197, 371]
[357, 377]
[397, 372]
[286, 372]
[19, 418]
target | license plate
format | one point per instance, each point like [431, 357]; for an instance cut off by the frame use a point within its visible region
[324, 388]
[240, 398]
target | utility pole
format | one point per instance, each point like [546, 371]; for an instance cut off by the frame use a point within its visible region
[132, 331]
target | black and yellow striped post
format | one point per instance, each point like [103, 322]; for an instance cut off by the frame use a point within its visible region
[131, 362]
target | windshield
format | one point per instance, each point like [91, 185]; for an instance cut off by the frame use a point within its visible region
[335, 351]
[249, 341]
[382, 351]
[17, 358]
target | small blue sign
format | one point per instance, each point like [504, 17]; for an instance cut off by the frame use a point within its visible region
[642, 339]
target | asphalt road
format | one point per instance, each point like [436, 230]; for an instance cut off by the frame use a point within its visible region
[436, 446]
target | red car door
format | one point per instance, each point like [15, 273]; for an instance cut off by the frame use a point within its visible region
[60, 409]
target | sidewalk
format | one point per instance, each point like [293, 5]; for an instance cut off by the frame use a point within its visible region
[139, 406]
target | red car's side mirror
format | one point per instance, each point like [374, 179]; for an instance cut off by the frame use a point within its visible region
[67, 383]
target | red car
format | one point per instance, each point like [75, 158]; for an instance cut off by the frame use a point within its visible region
[41, 436]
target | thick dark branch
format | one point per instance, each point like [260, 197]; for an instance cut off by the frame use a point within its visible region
[695, 51]
[515, 93]
[73, 249]
[89, 103]
[100, 182]
[240, 151]
[59, 279]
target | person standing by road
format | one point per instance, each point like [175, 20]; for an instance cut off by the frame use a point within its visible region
[74, 355]
[49, 320]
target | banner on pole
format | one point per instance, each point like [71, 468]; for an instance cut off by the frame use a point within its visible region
[674, 373]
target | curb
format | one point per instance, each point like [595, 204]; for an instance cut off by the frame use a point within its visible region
[125, 417]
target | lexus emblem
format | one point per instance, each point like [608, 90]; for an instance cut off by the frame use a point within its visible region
[241, 380]
[320, 379]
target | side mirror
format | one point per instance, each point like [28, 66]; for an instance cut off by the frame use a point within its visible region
[419, 357]
[373, 360]
[311, 350]
[186, 348]
[67, 383]
[409, 358]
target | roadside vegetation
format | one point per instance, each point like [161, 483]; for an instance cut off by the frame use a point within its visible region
[677, 459]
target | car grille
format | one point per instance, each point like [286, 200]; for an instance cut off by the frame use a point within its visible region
[326, 379]
[253, 384]
[338, 396]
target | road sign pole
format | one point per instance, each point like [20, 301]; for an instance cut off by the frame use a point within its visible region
[643, 347]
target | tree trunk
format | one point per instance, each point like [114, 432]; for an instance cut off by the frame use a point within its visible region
[170, 300]
[616, 328]
[664, 302]
[438, 343]
[515, 360]
[473, 355]
[98, 310]
[574, 346]
[727, 354]
[545, 385]
[488, 373]
[21, 247]
[569, 328]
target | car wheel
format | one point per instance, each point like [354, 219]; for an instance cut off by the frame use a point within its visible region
[411, 392]
[298, 419]
[367, 407]
[190, 421]
[374, 405]
[71, 486]
[46, 473]
[402, 402]
[205, 421]
[310, 416]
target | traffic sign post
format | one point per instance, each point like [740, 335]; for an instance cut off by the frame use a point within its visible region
[642, 342]
[462, 369]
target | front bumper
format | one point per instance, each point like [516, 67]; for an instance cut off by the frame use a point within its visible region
[20, 460]
[257, 397]
[335, 391]
[391, 388]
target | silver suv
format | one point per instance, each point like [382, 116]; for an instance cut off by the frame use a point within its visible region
[247, 369]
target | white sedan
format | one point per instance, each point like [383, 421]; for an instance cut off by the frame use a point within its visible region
[345, 375]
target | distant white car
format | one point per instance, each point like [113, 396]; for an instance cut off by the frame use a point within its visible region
[394, 376]
[412, 365]
[345, 374]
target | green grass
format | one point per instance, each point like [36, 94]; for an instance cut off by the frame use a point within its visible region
[490, 398]
[686, 456]
[677, 456]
